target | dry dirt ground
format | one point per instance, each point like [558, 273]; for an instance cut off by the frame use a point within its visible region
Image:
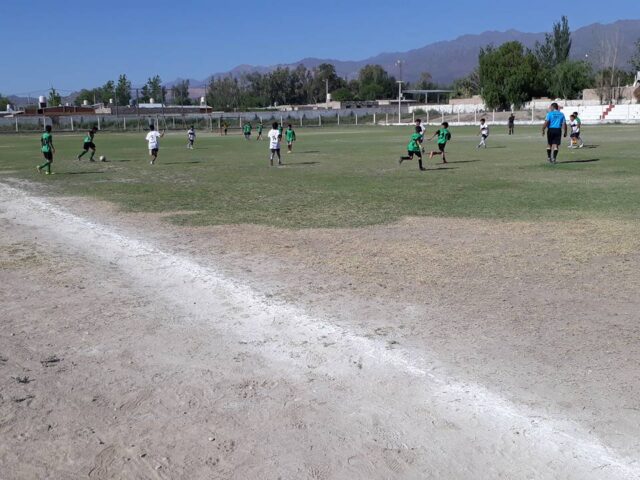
[426, 349]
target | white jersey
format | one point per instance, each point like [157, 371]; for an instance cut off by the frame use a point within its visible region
[274, 139]
[153, 139]
[484, 129]
[575, 126]
[191, 134]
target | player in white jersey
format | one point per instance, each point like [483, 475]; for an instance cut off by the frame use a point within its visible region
[484, 133]
[423, 129]
[153, 137]
[575, 131]
[274, 143]
[191, 136]
[579, 142]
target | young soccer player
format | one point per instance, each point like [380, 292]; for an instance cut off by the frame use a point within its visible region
[153, 137]
[47, 149]
[191, 136]
[225, 128]
[89, 145]
[280, 129]
[414, 147]
[575, 132]
[484, 133]
[290, 135]
[580, 141]
[512, 124]
[274, 136]
[444, 136]
[260, 128]
[247, 131]
[554, 126]
[423, 130]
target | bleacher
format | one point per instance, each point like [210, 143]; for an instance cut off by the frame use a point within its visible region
[606, 113]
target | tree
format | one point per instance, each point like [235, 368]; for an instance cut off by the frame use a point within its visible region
[468, 86]
[123, 90]
[569, 79]
[153, 89]
[509, 75]
[4, 101]
[375, 83]
[180, 93]
[343, 94]
[54, 98]
[324, 75]
[557, 45]
[107, 92]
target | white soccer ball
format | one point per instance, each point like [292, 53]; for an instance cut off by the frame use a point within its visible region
[103, 158]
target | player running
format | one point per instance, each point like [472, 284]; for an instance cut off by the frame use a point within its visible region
[247, 131]
[153, 137]
[260, 127]
[290, 136]
[423, 129]
[484, 133]
[191, 136]
[89, 145]
[554, 126]
[47, 149]
[414, 147]
[444, 135]
[274, 136]
[512, 124]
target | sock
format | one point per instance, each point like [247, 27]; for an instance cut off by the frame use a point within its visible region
[555, 154]
[82, 154]
[45, 165]
[420, 163]
[548, 153]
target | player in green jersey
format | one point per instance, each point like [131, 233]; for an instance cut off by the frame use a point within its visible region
[444, 135]
[260, 127]
[247, 131]
[414, 147]
[89, 145]
[290, 136]
[47, 149]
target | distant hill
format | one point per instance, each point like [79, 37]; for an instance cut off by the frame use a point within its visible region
[453, 59]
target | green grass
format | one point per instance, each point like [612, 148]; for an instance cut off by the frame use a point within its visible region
[345, 177]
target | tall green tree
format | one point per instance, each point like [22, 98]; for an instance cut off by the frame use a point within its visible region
[123, 90]
[375, 83]
[4, 101]
[180, 93]
[324, 75]
[54, 98]
[569, 79]
[153, 89]
[557, 45]
[509, 75]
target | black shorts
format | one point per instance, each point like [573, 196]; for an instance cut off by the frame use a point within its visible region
[441, 147]
[554, 136]
[575, 135]
[154, 151]
[48, 156]
[417, 153]
[484, 137]
[89, 145]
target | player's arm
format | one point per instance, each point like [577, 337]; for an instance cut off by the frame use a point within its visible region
[53, 149]
[544, 127]
[564, 126]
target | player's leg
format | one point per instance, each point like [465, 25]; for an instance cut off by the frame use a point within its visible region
[93, 152]
[273, 153]
[420, 165]
[444, 155]
[279, 157]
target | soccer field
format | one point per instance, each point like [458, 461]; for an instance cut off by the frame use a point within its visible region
[341, 317]
[345, 177]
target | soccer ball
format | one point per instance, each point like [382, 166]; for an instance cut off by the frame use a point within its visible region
[103, 158]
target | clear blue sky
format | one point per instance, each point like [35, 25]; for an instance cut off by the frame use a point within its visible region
[71, 44]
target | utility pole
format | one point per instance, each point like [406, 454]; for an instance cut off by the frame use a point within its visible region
[399, 82]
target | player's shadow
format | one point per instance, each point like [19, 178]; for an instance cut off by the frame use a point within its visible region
[442, 168]
[82, 173]
[590, 160]
[182, 163]
[464, 161]
[300, 164]
[310, 151]
[499, 146]
[591, 146]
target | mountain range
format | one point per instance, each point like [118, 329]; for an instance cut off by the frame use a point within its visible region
[588, 43]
